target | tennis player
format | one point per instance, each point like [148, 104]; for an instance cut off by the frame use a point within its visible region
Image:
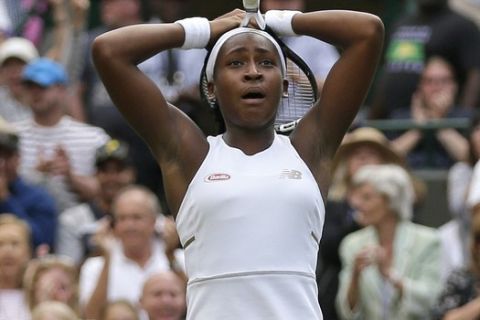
[248, 202]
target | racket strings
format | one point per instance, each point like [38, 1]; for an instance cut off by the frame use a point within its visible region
[301, 95]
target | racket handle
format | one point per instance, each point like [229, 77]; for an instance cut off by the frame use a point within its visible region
[251, 5]
[258, 18]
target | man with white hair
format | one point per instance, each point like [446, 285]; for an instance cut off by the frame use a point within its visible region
[131, 251]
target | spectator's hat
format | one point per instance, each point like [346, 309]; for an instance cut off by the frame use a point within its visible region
[113, 150]
[8, 136]
[19, 48]
[371, 137]
[45, 72]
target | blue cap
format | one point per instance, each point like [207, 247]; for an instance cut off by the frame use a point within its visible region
[45, 72]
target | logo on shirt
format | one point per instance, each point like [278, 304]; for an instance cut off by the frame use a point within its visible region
[290, 174]
[217, 177]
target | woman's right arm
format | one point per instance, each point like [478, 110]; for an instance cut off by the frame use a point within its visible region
[177, 143]
[164, 127]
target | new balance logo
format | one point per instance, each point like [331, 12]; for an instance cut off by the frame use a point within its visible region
[290, 174]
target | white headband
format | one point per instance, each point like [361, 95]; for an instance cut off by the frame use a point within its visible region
[227, 35]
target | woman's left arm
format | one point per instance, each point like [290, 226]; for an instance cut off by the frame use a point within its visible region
[359, 36]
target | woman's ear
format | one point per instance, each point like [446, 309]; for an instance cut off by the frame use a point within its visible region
[285, 88]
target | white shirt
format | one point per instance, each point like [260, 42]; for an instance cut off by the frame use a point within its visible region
[473, 197]
[126, 277]
[250, 226]
[80, 142]
[13, 305]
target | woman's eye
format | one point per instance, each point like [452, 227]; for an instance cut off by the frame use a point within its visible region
[266, 63]
[235, 63]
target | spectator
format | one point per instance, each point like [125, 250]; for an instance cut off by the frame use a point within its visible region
[15, 53]
[362, 146]
[473, 196]
[28, 202]
[131, 258]
[390, 268]
[307, 48]
[459, 298]
[163, 297]
[53, 310]
[57, 151]
[79, 223]
[434, 100]
[119, 310]
[180, 70]
[100, 110]
[455, 233]
[468, 8]
[25, 18]
[15, 252]
[52, 278]
[432, 30]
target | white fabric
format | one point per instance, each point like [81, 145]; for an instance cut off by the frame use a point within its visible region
[5, 22]
[256, 221]
[80, 142]
[473, 197]
[197, 32]
[11, 109]
[73, 224]
[458, 182]
[453, 253]
[280, 21]
[126, 277]
[13, 305]
[212, 59]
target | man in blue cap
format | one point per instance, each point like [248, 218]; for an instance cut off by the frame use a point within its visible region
[57, 151]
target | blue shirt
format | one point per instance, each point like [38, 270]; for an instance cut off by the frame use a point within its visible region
[36, 207]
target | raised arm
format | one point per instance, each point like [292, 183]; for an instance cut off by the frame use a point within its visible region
[177, 143]
[359, 36]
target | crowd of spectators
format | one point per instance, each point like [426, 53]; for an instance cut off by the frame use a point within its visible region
[84, 228]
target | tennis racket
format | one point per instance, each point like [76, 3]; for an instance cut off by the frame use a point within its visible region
[302, 88]
[252, 8]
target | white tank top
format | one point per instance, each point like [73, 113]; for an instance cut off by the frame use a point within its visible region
[250, 226]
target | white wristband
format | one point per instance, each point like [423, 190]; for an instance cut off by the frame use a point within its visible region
[197, 32]
[280, 21]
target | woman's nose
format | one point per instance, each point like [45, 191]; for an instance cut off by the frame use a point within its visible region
[252, 72]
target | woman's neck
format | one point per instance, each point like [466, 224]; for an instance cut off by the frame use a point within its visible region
[386, 230]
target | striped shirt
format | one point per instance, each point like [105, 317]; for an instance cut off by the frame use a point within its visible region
[79, 140]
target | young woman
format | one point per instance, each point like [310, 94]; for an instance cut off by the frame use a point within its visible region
[248, 202]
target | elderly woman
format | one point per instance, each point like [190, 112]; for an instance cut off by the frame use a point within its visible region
[390, 267]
